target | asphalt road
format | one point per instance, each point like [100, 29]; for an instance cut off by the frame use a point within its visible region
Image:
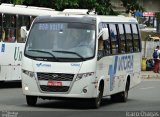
[145, 97]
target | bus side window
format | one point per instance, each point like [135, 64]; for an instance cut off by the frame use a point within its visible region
[107, 47]
[128, 38]
[122, 38]
[136, 40]
[101, 48]
[9, 28]
[107, 44]
[1, 27]
[22, 21]
[114, 38]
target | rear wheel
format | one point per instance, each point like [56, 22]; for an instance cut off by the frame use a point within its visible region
[122, 96]
[96, 102]
[31, 100]
[1, 83]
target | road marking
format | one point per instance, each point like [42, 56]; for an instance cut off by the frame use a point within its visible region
[147, 88]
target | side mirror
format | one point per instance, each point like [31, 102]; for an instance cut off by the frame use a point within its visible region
[24, 32]
[105, 33]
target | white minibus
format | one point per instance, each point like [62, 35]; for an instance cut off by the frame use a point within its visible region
[81, 56]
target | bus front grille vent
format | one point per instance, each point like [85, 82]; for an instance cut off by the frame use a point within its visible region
[54, 89]
[55, 76]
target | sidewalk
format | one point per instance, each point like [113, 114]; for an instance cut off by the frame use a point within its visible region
[149, 74]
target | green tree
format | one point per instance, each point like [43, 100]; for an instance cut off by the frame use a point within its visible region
[63, 4]
[132, 5]
[87, 4]
[104, 7]
[17, 1]
[101, 7]
[42, 3]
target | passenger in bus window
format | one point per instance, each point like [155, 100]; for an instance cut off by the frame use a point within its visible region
[100, 48]
[113, 38]
[86, 39]
[122, 47]
[10, 36]
[107, 46]
[100, 44]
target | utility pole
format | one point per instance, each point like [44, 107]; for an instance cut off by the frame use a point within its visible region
[158, 21]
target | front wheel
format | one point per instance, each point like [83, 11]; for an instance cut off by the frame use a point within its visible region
[31, 100]
[96, 102]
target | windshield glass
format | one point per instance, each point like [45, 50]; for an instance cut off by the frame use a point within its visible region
[61, 40]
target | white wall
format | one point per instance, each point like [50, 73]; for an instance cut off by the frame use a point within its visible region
[148, 48]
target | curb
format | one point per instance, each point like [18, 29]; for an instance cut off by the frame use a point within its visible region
[150, 76]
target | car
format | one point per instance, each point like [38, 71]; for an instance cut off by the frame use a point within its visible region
[142, 26]
[155, 38]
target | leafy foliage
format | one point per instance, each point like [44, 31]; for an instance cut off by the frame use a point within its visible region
[101, 7]
[62, 4]
[132, 5]
[104, 7]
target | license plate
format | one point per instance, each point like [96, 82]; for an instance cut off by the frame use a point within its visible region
[54, 83]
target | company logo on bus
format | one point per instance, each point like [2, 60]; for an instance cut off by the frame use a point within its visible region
[121, 63]
[54, 75]
[17, 54]
[75, 65]
[43, 65]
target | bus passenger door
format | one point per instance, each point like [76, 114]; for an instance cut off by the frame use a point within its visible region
[102, 65]
[18, 51]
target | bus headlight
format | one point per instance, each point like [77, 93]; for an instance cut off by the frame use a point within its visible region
[29, 73]
[84, 75]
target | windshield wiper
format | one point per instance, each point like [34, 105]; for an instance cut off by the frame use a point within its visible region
[42, 51]
[68, 52]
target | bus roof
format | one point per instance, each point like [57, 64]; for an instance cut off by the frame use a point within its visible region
[119, 19]
[84, 12]
[26, 10]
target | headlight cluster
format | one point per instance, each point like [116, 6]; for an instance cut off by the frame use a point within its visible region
[84, 75]
[29, 73]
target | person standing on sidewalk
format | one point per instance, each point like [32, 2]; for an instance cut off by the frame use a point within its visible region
[156, 56]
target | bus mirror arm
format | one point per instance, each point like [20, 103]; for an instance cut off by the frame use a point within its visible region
[24, 32]
[105, 33]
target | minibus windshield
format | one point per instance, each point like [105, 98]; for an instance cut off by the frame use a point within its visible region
[61, 40]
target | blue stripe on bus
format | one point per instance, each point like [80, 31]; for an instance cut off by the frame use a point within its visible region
[3, 48]
[112, 71]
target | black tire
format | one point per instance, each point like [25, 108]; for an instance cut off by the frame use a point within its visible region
[31, 100]
[96, 102]
[1, 84]
[122, 96]
[115, 98]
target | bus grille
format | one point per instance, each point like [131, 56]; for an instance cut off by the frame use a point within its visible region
[55, 76]
[54, 88]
